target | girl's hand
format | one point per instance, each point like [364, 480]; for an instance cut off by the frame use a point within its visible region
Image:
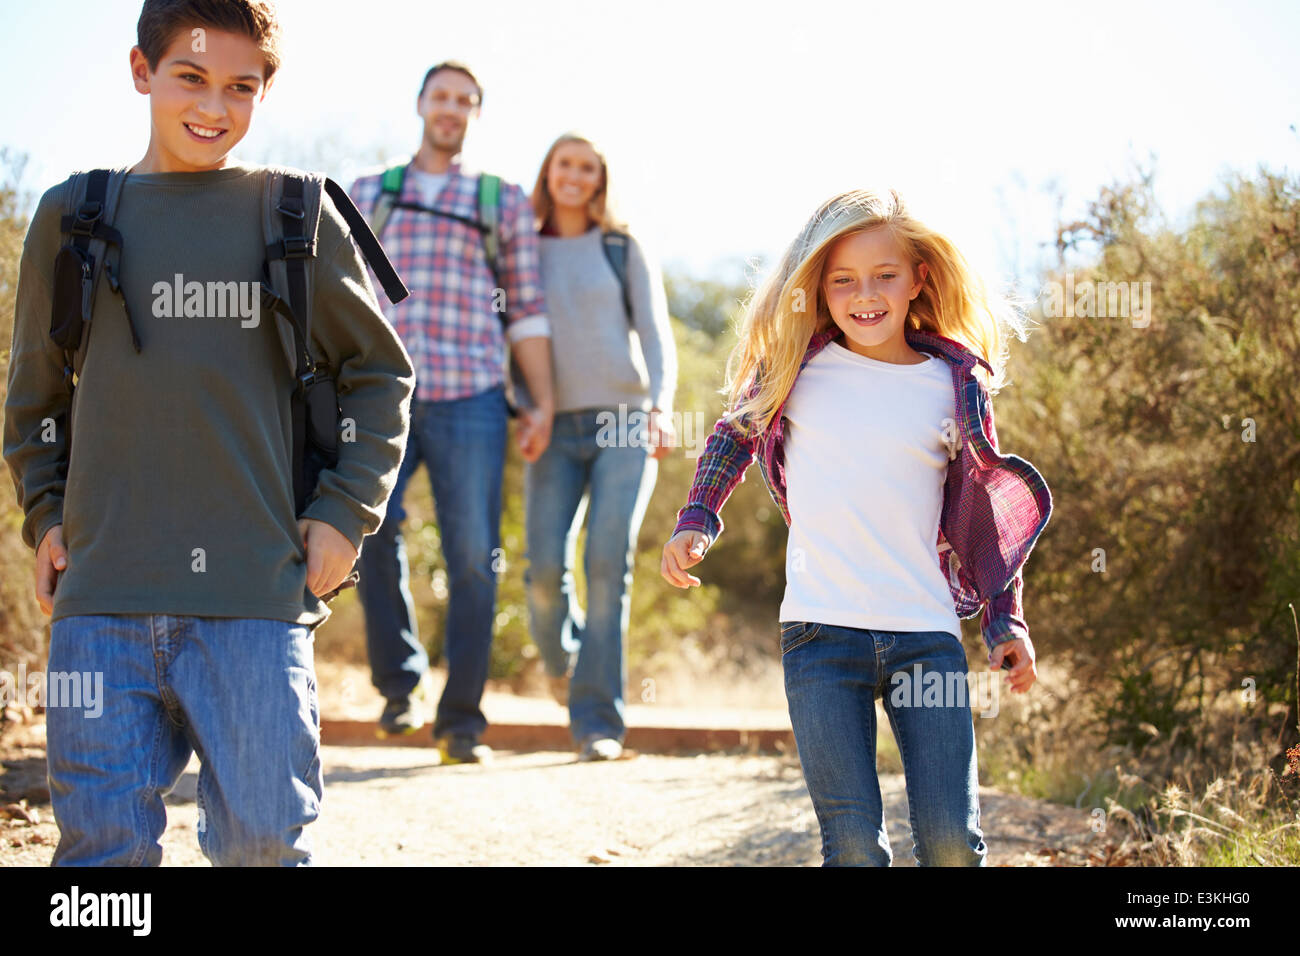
[330, 555]
[51, 561]
[663, 437]
[683, 550]
[1020, 653]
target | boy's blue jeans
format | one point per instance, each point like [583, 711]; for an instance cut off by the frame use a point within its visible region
[239, 692]
[832, 676]
[599, 463]
[463, 445]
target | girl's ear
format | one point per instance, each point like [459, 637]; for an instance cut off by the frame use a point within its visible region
[922, 271]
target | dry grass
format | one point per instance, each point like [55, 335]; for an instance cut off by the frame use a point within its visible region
[1219, 791]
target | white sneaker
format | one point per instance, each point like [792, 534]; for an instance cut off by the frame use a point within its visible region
[601, 748]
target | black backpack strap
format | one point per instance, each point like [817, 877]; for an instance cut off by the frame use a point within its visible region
[291, 222]
[367, 243]
[615, 246]
[89, 207]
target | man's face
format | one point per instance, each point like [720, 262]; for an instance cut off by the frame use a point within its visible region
[448, 103]
[201, 99]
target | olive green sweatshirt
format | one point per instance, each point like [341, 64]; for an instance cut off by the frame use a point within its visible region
[179, 495]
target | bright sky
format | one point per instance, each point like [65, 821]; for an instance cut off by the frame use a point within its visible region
[726, 124]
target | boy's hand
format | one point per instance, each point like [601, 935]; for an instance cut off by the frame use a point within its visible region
[330, 555]
[51, 560]
[1023, 671]
[683, 550]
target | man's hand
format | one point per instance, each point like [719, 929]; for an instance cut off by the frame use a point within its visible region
[1023, 671]
[51, 560]
[683, 550]
[330, 555]
[534, 432]
[663, 437]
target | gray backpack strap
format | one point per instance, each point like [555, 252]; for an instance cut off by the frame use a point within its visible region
[615, 245]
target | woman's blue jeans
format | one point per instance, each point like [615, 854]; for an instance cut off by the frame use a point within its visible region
[241, 693]
[596, 461]
[833, 675]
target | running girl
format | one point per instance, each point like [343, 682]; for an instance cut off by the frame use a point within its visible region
[862, 381]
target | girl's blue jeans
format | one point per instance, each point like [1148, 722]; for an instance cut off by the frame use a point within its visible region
[833, 675]
[239, 692]
[597, 462]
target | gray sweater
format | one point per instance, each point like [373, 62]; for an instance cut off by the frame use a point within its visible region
[178, 498]
[598, 362]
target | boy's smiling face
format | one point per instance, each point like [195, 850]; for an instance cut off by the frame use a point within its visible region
[201, 99]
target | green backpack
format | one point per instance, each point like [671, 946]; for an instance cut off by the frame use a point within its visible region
[487, 224]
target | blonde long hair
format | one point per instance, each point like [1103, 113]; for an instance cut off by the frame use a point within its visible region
[789, 306]
[599, 210]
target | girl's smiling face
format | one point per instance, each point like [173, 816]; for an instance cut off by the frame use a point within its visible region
[869, 285]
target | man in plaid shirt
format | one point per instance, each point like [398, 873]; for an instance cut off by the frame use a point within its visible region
[452, 327]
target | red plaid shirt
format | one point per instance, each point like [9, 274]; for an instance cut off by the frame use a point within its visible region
[994, 506]
[448, 324]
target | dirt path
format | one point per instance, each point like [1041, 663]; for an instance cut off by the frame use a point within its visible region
[395, 806]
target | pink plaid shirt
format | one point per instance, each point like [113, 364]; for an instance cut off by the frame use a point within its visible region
[448, 324]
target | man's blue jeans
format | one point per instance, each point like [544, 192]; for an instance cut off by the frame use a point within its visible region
[463, 445]
[241, 693]
[833, 675]
[598, 462]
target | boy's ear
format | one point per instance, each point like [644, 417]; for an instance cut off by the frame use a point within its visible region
[140, 73]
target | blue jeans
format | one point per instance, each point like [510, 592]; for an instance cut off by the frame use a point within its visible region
[593, 461]
[832, 676]
[239, 692]
[463, 445]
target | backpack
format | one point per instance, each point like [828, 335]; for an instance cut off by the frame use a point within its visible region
[487, 225]
[290, 217]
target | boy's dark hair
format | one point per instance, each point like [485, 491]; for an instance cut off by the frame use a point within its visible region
[458, 67]
[160, 20]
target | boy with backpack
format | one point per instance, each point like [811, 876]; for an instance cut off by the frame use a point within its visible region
[468, 246]
[205, 417]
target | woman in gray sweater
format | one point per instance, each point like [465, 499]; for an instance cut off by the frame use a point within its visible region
[615, 373]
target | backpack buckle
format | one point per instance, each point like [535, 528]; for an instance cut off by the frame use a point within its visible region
[292, 206]
[297, 247]
[88, 213]
[306, 380]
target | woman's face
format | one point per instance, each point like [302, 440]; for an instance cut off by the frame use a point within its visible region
[869, 285]
[574, 176]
